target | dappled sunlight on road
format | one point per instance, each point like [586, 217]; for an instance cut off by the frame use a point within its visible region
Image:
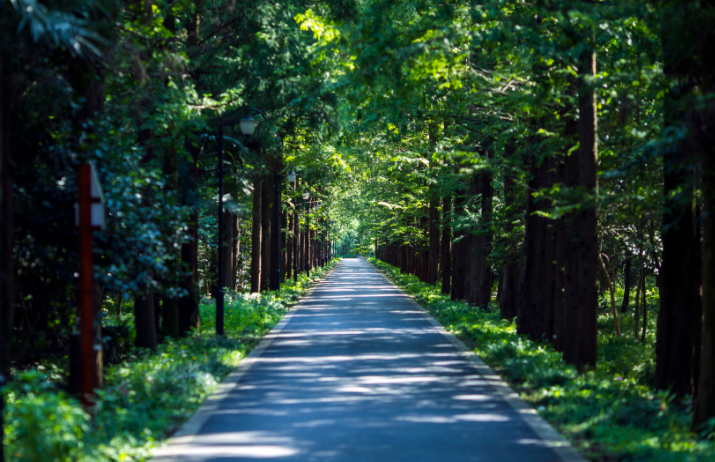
[359, 374]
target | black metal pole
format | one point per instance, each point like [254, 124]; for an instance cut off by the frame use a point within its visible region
[295, 237]
[277, 253]
[219, 292]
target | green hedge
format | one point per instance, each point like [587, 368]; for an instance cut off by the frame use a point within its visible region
[147, 397]
[607, 414]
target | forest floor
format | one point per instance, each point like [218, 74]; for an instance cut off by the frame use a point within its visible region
[611, 413]
[359, 372]
[146, 397]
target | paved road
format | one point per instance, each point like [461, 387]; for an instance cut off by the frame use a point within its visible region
[359, 374]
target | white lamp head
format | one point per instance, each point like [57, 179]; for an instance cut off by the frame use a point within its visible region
[248, 125]
[291, 176]
[306, 195]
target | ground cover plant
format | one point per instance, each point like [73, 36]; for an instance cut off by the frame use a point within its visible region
[149, 395]
[610, 413]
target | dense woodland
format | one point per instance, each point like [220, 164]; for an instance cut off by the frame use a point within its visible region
[547, 159]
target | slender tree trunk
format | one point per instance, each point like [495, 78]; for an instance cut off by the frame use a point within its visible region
[612, 290]
[266, 206]
[645, 307]
[529, 290]
[571, 243]
[145, 320]
[679, 325]
[289, 247]
[446, 260]
[229, 278]
[510, 274]
[475, 249]
[636, 314]
[588, 252]
[705, 402]
[7, 177]
[485, 284]
[626, 285]
[433, 239]
[257, 233]
[235, 252]
[459, 253]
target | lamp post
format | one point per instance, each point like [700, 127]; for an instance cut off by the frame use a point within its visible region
[292, 179]
[219, 292]
[306, 196]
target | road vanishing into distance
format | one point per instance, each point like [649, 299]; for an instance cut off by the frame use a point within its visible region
[358, 372]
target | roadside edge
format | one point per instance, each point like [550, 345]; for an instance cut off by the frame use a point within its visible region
[543, 429]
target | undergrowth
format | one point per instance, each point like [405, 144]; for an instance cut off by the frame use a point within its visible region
[149, 395]
[610, 413]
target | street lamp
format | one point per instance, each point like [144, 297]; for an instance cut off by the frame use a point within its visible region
[306, 196]
[248, 125]
[291, 176]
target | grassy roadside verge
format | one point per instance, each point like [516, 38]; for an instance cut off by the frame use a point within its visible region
[606, 415]
[147, 397]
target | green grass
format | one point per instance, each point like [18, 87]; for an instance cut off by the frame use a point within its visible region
[147, 397]
[610, 413]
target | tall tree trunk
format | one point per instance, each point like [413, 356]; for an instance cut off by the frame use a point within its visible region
[679, 324]
[433, 238]
[529, 301]
[612, 291]
[235, 252]
[485, 283]
[627, 279]
[510, 274]
[475, 248]
[257, 233]
[459, 253]
[705, 402]
[229, 278]
[266, 232]
[7, 177]
[145, 321]
[289, 247]
[446, 260]
[588, 252]
[571, 261]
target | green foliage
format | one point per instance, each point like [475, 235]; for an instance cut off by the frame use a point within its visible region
[608, 413]
[147, 397]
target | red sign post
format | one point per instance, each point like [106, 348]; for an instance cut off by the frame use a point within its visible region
[89, 216]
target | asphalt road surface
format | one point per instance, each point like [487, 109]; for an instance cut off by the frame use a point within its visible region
[358, 373]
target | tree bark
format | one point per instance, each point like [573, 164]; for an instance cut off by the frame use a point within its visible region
[229, 278]
[627, 279]
[475, 247]
[434, 252]
[529, 301]
[266, 232]
[459, 253]
[257, 233]
[679, 324]
[485, 271]
[510, 274]
[145, 321]
[588, 251]
[705, 402]
[235, 252]
[7, 176]
[446, 260]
